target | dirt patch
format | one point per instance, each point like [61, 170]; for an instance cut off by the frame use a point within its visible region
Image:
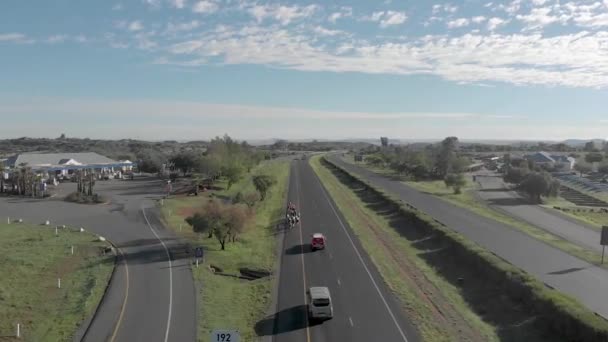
[441, 309]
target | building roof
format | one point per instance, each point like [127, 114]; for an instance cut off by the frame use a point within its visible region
[540, 157]
[44, 159]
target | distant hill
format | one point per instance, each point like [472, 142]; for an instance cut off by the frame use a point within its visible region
[581, 142]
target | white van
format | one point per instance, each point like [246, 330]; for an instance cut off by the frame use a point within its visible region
[319, 306]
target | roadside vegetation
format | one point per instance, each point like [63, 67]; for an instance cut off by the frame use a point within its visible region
[32, 259]
[234, 221]
[519, 307]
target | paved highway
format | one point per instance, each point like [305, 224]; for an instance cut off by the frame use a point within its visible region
[364, 308]
[573, 276]
[511, 203]
[152, 296]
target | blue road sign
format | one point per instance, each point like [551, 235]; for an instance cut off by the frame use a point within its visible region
[198, 252]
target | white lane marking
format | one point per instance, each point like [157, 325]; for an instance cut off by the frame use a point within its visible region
[350, 320]
[339, 283]
[170, 275]
[390, 312]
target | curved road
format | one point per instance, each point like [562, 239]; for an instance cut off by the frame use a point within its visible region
[152, 294]
[364, 309]
[564, 272]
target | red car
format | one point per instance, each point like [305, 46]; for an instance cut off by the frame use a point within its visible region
[318, 241]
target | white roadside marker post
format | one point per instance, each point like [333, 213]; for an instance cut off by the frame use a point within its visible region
[72, 250]
[180, 227]
[58, 283]
[18, 330]
[56, 231]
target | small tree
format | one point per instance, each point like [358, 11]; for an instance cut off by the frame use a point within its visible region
[238, 198]
[200, 223]
[516, 175]
[582, 167]
[456, 181]
[537, 184]
[262, 184]
[603, 168]
[251, 199]
[236, 219]
[233, 173]
[594, 157]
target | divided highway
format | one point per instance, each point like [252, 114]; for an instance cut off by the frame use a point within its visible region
[564, 272]
[364, 308]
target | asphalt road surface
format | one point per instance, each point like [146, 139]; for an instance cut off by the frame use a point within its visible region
[364, 309]
[511, 203]
[564, 272]
[152, 295]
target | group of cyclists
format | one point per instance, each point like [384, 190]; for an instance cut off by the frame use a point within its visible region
[293, 217]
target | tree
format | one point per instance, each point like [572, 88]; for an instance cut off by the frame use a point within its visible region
[446, 156]
[507, 160]
[209, 166]
[582, 167]
[184, 162]
[374, 160]
[456, 181]
[251, 199]
[233, 173]
[236, 219]
[200, 223]
[516, 175]
[590, 147]
[384, 141]
[603, 168]
[262, 184]
[280, 144]
[2, 167]
[537, 184]
[460, 164]
[594, 157]
[150, 160]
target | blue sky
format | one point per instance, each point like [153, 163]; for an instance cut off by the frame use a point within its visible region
[186, 69]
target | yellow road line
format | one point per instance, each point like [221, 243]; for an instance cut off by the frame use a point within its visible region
[124, 302]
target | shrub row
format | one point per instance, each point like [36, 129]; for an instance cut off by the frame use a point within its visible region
[79, 197]
[556, 314]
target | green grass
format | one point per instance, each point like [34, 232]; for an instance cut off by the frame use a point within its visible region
[417, 308]
[31, 260]
[468, 201]
[594, 219]
[226, 302]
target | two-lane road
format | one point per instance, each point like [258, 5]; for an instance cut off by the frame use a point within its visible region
[364, 309]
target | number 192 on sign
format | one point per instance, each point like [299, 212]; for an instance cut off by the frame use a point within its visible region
[225, 336]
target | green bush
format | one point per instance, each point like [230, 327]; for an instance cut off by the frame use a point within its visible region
[557, 313]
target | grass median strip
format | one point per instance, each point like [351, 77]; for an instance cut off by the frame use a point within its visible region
[468, 201]
[227, 302]
[32, 259]
[436, 307]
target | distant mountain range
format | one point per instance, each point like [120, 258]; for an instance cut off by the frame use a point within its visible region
[376, 141]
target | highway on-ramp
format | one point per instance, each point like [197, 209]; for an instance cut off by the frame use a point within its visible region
[151, 296]
[558, 269]
[364, 309]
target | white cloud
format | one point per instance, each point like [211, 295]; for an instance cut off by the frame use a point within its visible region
[495, 22]
[539, 2]
[187, 47]
[117, 7]
[326, 32]
[478, 19]
[155, 4]
[447, 7]
[343, 13]
[538, 17]
[284, 14]
[387, 18]
[511, 8]
[58, 38]
[185, 26]
[15, 38]
[592, 15]
[178, 3]
[81, 38]
[205, 7]
[135, 26]
[460, 22]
